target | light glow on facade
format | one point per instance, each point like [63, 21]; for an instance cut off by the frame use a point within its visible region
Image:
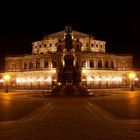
[98, 69]
[49, 79]
[1, 80]
[136, 79]
[132, 75]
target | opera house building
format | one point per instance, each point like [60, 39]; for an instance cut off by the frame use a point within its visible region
[68, 57]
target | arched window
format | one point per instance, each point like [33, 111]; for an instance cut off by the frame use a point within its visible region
[106, 64]
[53, 63]
[45, 78]
[112, 64]
[38, 79]
[30, 65]
[46, 64]
[25, 66]
[38, 63]
[83, 64]
[13, 67]
[99, 64]
[100, 78]
[50, 44]
[92, 77]
[84, 79]
[91, 63]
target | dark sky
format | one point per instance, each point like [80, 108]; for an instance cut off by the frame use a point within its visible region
[116, 23]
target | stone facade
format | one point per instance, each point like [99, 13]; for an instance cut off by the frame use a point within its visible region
[39, 69]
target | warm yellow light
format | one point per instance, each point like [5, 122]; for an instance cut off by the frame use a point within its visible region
[99, 79]
[6, 77]
[18, 80]
[38, 80]
[136, 79]
[49, 79]
[24, 80]
[107, 79]
[53, 71]
[84, 71]
[132, 75]
[117, 79]
[90, 79]
[59, 84]
[30, 80]
[1, 80]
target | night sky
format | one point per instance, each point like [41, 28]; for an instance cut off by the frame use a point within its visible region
[118, 24]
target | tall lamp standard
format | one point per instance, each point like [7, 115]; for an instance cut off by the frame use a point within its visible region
[132, 76]
[6, 80]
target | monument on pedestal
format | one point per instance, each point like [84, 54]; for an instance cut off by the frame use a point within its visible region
[69, 71]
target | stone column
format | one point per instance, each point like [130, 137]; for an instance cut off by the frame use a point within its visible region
[34, 63]
[87, 63]
[50, 62]
[23, 65]
[109, 63]
[93, 63]
[28, 64]
[96, 63]
[103, 63]
[43, 60]
[41, 63]
[115, 65]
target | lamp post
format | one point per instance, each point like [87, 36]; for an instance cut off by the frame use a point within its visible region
[132, 76]
[6, 80]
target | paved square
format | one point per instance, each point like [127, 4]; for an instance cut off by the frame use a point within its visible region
[109, 114]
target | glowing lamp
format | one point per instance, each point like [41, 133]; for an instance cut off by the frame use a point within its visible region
[59, 84]
[6, 77]
[99, 79]
[136, 79]
[1, 80]
[90, 79]
[107, 79]
[132, 75]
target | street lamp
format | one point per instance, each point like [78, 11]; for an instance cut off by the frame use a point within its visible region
[132, 76]
[6, 80]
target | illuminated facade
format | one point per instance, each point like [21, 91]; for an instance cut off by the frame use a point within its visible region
[96, 68]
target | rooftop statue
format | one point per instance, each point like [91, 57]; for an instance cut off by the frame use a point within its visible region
[68, 29]
[68, 38]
